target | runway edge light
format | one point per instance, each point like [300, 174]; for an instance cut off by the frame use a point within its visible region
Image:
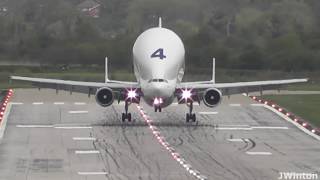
[290, 115]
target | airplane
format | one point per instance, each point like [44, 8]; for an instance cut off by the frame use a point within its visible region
[159, 63]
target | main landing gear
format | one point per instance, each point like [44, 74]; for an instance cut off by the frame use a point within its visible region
[126, 115]
[190, 116]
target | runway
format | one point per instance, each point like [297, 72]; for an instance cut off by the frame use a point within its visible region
[69, 137]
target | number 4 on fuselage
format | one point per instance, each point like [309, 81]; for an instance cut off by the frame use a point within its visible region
[158, 54]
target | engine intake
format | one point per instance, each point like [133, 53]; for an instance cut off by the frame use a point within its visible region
[104, 96]
[212, 97]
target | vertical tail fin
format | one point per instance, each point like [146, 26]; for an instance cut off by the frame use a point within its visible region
[213, 70]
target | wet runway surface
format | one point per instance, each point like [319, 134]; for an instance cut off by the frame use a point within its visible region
[51, 136]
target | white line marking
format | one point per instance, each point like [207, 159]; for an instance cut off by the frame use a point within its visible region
[78, 112]
[257, 104]
[208, 113]
[37, 103]
[268, 127]
[238, 140]
[74, 127]
[258, 153]
[87, 152]
[235, 140]
[234, 125]
[58, 103]
[84, 138]
[233, 128]
[293, 122]
[16, 103]
[92, 173]
[80, 103]
[34, 126]
[235, 105]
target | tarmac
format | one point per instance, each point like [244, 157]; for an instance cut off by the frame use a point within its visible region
[70, 137]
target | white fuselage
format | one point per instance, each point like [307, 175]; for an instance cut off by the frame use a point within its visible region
[158, 59]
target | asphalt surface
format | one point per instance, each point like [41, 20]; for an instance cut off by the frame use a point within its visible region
[65, 137]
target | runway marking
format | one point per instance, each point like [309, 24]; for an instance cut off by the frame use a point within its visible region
[80, 103]
[84, 138]
[234, 128]
[87, 152]
[234, 125]
[293, 122]
[58, 103]
[37, 103]
[257, 105]
[78, 112]
[208, 113]
[92, 173]
[73, 127]
[162, 141]
[268, 127]
[235, 105]
[258, 153]
[237, 140]
[16, 103]
[34, 126]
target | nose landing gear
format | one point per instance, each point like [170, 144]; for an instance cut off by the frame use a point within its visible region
[157, 108]
[190, 116]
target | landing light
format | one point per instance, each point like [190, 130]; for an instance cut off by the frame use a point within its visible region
[186, 94]
[157, 101]
[132, 94]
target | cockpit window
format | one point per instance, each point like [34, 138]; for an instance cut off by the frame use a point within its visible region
[158, 80]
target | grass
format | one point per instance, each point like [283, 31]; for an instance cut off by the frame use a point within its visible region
[304, 87]
[305, 106]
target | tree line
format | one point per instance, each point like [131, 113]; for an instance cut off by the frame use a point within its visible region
[241, 34]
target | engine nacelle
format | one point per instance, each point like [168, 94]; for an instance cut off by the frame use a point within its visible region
[104, 96]
[212, 97]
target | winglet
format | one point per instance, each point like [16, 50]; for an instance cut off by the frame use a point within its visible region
[106, 70]
[160, 22]
[213, 70]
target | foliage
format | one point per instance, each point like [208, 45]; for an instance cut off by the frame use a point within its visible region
[250, 34]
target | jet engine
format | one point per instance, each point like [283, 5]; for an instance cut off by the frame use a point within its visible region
[104, 96]
[212, 97]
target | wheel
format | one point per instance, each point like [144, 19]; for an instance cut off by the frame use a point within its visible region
[193, 117]
[129, 117]
[155, 109]
[187, 117]
[123, 117]
[160, 109]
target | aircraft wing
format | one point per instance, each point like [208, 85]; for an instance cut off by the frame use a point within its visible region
[76, 86]
[240, 87]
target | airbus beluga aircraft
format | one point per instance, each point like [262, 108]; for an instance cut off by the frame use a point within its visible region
[159, 63]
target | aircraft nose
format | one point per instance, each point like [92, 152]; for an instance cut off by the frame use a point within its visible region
[160, 88]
